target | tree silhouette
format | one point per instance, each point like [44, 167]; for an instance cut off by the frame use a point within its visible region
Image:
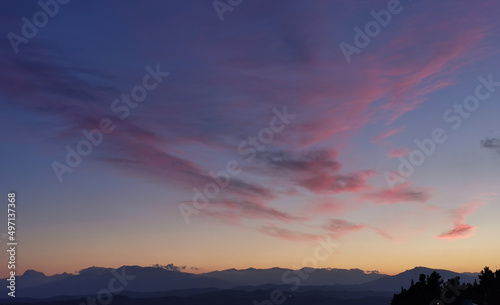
[430, 290]
[487, 278]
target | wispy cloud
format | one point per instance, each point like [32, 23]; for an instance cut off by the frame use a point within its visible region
[398, 152]
[232, 211]
[287, 234]
[491, 143]
[487, 196]
[383, 136]
[317, 171]
[216, 99]
[402, 193]
[339, 227]
[335, 228]
[460, 228]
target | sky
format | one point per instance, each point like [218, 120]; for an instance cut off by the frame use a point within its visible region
[237, 134]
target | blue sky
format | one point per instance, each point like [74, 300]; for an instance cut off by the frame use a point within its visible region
[320, 171]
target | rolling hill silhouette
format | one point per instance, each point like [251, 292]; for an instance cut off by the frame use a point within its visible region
[394, 283]
[153, 282]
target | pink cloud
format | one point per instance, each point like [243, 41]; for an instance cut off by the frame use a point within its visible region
[339, 227]
[326, 207]
[329, 98]
[398, 152]
[274, 231]
[317, 171]
[488, 196]
[335, 228]
[337, 183]
[329, 207]
[380, 139]
[400, 77]
[234, 210]
[399, 194]
[460, 229]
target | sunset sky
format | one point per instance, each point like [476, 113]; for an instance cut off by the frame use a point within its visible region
[391, 149]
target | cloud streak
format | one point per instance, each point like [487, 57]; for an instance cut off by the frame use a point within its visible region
[382, 137]
[460, 228]
[402, 193]
[339, 227]
[317, 171]
[287, 234]
[491, 143]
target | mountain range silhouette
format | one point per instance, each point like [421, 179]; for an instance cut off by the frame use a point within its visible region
[153, 281]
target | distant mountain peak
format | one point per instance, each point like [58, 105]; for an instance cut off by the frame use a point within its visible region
[33, 273]
[427, 269]
[422, 267]
[94, 270]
